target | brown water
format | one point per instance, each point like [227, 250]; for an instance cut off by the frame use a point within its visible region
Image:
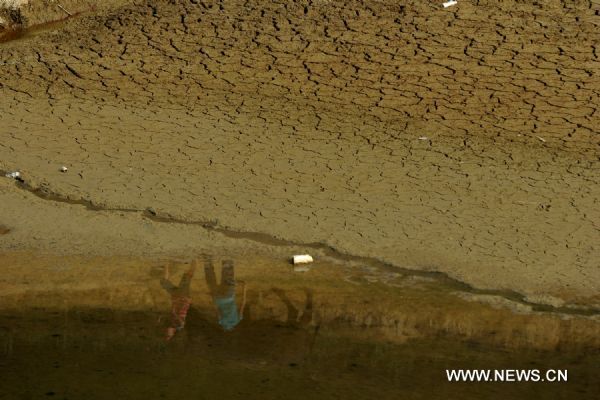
[19, 33]
[81, 328]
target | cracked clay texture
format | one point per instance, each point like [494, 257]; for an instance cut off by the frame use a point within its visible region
[463, 140]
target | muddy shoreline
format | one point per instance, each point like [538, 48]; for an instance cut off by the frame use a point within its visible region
[242, 241]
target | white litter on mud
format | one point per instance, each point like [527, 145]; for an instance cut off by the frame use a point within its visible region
[302, 259]
[423, 138]
[63, 169]
[13, 175]
[62, 8]
[450, 3]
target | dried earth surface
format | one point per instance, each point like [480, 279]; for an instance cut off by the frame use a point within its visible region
[462, 140]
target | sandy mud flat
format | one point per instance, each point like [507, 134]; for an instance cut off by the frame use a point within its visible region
[461, 140]
[162, 160]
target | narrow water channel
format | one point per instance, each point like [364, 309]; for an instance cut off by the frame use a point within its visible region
[19, 33]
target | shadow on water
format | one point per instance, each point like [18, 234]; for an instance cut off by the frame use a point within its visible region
[249, 327]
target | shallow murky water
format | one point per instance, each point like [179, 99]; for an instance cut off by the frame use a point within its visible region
[35, 30]
[19, 34]
[250, 327]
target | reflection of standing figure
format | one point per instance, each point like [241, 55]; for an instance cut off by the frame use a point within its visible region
[180, 298]
[293, 312]
[224, 294]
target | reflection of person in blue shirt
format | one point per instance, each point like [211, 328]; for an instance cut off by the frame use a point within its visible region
[224, 294]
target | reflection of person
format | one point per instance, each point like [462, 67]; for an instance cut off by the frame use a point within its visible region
[224, 294]
[180, 299]
[293, 312]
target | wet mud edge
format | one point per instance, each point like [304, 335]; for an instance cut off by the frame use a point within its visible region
[22, 31]
[43, 192]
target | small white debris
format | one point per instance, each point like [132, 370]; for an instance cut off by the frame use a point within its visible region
[62, 8]
[63, 169]
[14, 175]
[450, 3]
[301, 269]
[302, 259]
[541, 139]
[423, 138]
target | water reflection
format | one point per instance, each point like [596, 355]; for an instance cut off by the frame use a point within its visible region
[180, 298]
[223, 294]
[293, 317]
[259, 325]
[256, 329]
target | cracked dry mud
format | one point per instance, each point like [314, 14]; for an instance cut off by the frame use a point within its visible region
[302, 119]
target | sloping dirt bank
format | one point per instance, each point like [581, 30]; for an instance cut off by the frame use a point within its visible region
[461, 140]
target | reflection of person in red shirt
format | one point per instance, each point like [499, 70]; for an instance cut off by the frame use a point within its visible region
[180, 299]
